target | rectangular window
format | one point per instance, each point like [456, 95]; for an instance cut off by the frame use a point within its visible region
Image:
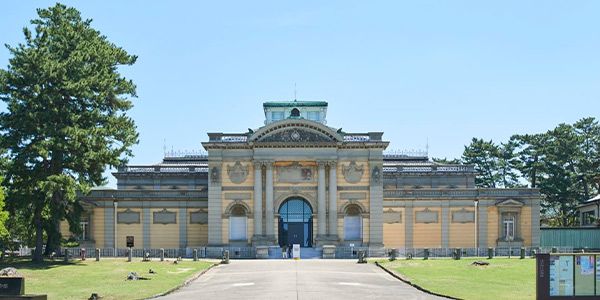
[85, 229]
[238, 228]
[588, 218]
[353, 228]
[277, 116]
[313, 116]
[509, 226]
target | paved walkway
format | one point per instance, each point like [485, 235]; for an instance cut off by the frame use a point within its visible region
[303, 279]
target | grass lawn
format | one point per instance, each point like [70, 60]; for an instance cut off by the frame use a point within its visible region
[79, 279]
[503, 278]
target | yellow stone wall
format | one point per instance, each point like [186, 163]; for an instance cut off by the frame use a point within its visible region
[98, 227]
[64, 229]
[492, 226]
[164, 235]
[526, 226]
[135, 230]
[427, 235]
[365, 230]
[394, 234]
[461, 234]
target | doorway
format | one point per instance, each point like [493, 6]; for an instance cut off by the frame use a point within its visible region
[295, 223]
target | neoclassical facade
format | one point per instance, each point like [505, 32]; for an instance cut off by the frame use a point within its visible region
[296, 180]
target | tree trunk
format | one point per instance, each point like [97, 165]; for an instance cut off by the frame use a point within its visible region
[39, 236]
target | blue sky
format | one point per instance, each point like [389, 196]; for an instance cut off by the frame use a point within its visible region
[443, 71]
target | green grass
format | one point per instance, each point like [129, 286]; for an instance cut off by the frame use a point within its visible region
[503, 278]
[79, 279]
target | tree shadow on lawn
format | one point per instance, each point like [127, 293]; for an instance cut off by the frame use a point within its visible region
[27, 264]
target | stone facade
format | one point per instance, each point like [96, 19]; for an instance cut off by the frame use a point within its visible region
[298, 180]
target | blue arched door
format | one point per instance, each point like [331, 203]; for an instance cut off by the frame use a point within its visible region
[295, 223]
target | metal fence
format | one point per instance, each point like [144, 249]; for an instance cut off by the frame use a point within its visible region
[340, 252]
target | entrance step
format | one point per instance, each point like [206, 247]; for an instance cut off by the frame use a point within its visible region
[305, 253]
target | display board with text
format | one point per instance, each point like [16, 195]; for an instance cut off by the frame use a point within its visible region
[568, 276]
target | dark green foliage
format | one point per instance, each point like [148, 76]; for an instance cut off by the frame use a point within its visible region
[66, 117]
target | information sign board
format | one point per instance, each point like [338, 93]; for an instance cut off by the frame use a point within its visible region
[567, 276]
[296, 251]
[129, 241]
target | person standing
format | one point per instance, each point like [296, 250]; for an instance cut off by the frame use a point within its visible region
[284, 251]
[289, 251]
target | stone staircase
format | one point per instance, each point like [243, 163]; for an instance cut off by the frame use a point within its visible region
[305, 253]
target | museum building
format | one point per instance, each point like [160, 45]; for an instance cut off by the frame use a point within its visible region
[296, 180]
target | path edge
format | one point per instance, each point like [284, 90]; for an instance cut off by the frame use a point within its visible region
[186, 283]
[418, 287]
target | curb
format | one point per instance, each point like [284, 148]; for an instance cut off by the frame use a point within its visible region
[418, 287]
[187, 282]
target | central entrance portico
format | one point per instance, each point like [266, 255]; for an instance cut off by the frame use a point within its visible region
[295, 223]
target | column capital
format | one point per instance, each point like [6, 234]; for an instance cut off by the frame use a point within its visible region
[258, 163]
[269, 164]
[321, 163]
[332, 163]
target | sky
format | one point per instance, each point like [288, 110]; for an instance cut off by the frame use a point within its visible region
[426, 73]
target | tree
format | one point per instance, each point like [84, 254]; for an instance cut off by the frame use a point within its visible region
[446, 161]
[483, 155]
[66, 117]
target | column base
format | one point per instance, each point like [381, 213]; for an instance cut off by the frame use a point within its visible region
[321, 240]
[264, 240]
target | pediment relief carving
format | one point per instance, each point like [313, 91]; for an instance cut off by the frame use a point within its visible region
[510, 203]
[295, 131]
[296, 135]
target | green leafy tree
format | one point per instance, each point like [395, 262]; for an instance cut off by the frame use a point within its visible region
[66, 118]
[453, 161]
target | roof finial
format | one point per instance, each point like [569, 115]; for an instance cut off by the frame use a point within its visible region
[295, 92]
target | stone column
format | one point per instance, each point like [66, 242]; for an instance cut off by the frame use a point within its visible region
[269, 200]
[333, 198]
[257, 198]
[321, 201]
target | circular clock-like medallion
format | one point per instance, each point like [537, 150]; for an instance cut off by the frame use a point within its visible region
[295, 135]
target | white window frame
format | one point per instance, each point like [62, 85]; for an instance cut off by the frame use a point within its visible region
[508, 225]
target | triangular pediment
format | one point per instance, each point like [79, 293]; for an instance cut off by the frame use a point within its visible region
[295, 131]
[509, 202]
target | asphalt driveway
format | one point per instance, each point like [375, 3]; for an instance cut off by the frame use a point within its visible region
[302, 279]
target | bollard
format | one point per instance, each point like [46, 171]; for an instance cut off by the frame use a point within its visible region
[66, 255]
[225, 259]
[195, 254]
[393, 254]
[426, 254]
[129, 253]
[97, 254]
[457, 253]
[554, 250]
[490, 253]
[361, 257]
[82, 253]
[522, 252]
[162, 254]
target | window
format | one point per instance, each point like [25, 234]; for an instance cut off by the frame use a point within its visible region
[295, 112]
[277, 116]
[313, 115]
[238, 224]
[85, 229]
[353, 223]
[509, 226]
[588, 218]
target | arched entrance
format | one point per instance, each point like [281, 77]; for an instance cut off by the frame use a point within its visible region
[295, 223]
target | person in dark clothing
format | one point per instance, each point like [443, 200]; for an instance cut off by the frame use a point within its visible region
[289, 249]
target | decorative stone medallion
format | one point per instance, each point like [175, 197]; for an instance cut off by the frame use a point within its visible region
[352, 172]
[375, 176]
[128, 217]
[237, 173]
[165, 217]
[214, 176]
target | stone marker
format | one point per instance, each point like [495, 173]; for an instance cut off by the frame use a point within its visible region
[328, 251]
[129, 254]
[195, 254]
[14, 287]
[162, 254]
[97, 254]
[94, 296]
[480, 263]
[66, 255]
[135, 276]
[425, 254]
[225, 259]
[490, 253]
[10, 272]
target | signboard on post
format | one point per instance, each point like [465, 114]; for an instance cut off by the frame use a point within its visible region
[296, 251]
[129, 241]
[567, 276]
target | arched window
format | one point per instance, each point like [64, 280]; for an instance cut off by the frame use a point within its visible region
[238, 223]
[295, 112]
[353, 223]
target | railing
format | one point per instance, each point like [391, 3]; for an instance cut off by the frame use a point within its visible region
[186, 154]
[147, 193]
[416, 167]
[200, 168]
[363, 137]
[405, 153]
[227, 137]
[459, 192]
